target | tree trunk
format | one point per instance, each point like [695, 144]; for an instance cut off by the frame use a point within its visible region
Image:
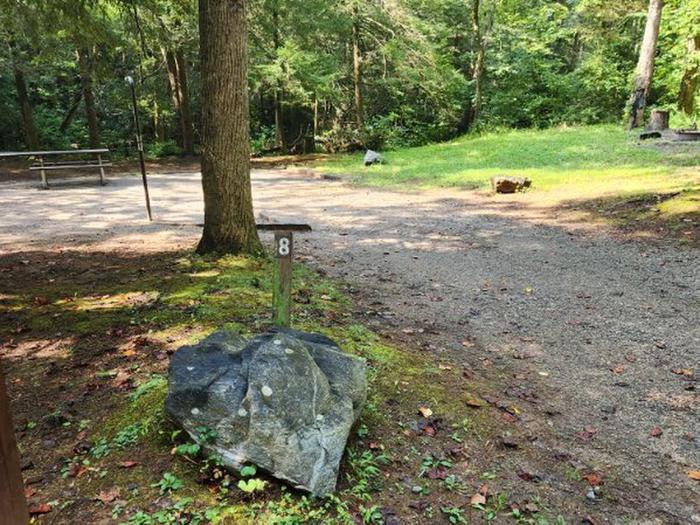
[645, 66]
[689, 83]
[229, 222]
[659, 120]
[185, 107]
[13, 507]
[478, 64]
[357, 68]
[70, 114]
[177, 78]
[31, 136]
[88, 96]
[280, 141]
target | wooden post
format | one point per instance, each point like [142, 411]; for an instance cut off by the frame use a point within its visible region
[282, 277]
[44, 182]
[282, 281]
[102, 169]
[13, 506]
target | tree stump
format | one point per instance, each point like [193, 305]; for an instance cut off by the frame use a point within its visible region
[659, 120]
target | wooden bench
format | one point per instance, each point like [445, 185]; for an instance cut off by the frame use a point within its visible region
[44, 161]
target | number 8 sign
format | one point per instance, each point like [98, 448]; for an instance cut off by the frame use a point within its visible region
[284, 246]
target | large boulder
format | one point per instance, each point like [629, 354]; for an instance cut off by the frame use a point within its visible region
[284, 401]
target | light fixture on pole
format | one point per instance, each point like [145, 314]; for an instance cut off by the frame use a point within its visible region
[139, 145]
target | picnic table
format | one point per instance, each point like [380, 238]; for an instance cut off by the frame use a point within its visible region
[51, 160]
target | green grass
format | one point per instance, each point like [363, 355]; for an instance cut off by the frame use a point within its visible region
[594, 158]
[601, 171]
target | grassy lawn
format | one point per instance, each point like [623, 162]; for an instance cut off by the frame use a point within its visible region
[591, 165]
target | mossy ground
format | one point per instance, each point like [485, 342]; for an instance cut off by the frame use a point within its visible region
[87, 338]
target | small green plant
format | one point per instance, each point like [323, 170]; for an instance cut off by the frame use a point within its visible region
[248, 471]
[168, 483]
[187, 449]
[156, 381]
[452, 483]
[206, 434]
[362, 431]
[371, 515]
[431, 462]
[454, 515]
[491, 511]
[252, 485]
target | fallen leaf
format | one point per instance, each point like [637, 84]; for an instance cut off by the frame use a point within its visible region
[44, 508]
[425, 411]
[694, 474]
[128, 464]
[475, 402]
[484, 490]
[108, 496]
[29, 492]
[123, 380]
[685, 372]
[41, 301]
[478, 499]
[656, 432]
[594, 479]
[617, 369]
[587, 433]
[467, 343]
[76, 470]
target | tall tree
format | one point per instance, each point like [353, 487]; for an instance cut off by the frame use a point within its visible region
[229, 222]
[31, 135]
[85, 66]
[645, 66]
[689, 82]
[357, 66]
[477, 65]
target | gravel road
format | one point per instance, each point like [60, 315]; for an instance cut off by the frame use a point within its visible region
[591, 323]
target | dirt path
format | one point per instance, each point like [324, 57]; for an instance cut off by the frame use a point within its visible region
[581, 329]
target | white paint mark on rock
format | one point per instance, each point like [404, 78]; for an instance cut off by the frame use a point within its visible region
[195, 411]
[277, 342]
[288, 351]
[319, 417]
[266, 391]
[190, 368]
[242, 412]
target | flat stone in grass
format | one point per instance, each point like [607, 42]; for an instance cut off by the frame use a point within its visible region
[510, 184]
[284, 401]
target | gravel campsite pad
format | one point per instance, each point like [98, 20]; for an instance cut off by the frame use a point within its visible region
[591, 335]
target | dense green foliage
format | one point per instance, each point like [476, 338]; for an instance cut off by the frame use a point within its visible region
[350, 73]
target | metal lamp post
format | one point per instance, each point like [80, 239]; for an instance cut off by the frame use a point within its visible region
[139, 145]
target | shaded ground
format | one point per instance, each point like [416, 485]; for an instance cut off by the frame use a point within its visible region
[582, 339]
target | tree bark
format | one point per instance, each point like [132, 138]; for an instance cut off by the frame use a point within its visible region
[31, 135]
[477, 68]
[357, 68]
[229, 222]
[13, 507]
[185, 107]
[177, 79]
[280, 141]
[88, 96]
[645, 66]
[70, 114]
[689, 83]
